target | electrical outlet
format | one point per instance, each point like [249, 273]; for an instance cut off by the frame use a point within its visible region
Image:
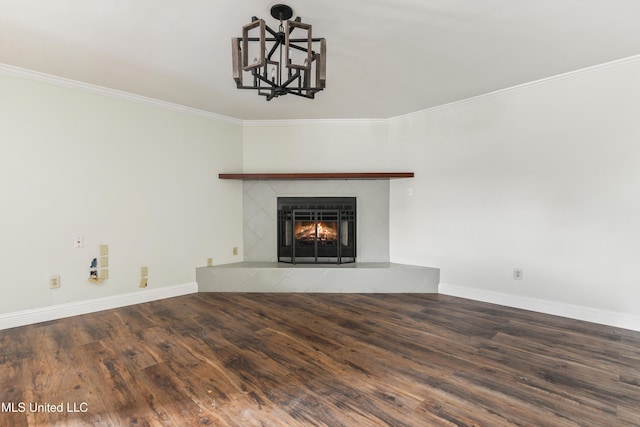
[54, 281]
[209, 262]
[78, 242]
[235, 250]
[517, 274]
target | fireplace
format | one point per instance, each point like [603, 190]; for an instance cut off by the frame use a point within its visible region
[317, 230]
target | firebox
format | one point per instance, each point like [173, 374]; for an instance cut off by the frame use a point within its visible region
[317, 230]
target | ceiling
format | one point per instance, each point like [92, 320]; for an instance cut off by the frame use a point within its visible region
[384, 58]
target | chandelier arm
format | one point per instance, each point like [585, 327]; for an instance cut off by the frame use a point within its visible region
[273, 49]
[292, 92]
[317, 39]
[268, 96]
[314, 89]
[290, 80]
[257, 39]
[273, 33]
[298, 19]
[304, 49]
[262, 78]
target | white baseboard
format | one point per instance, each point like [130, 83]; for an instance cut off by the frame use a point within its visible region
[603, 317]
[60, 311]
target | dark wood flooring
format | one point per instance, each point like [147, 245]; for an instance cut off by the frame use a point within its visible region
[319, 360]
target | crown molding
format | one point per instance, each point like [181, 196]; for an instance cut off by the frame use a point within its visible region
[60, 81]
[311, 122]
[520, 87]
[112, 93]
[517, 88]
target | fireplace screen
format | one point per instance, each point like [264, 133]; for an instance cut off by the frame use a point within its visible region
[317, 229]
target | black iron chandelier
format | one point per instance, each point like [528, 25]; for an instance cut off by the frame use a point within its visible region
[281, 63]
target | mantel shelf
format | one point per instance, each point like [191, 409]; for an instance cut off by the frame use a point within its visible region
[326, 175]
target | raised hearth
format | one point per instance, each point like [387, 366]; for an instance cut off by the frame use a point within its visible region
[358, 277]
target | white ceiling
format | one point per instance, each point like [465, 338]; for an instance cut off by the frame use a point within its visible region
[385, 58]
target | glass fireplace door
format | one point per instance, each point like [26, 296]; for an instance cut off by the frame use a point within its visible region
[317, 230]
[316, 234]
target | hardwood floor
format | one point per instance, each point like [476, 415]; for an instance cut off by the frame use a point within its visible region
[319, 360]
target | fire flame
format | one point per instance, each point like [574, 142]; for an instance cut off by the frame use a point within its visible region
[307, 231]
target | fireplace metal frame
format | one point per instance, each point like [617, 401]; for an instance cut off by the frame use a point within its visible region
[341, 210]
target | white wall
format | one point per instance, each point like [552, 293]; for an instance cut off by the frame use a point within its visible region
[139, 178]
[317, 146]
[544, 177]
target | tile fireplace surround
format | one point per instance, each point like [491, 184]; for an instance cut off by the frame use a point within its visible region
[259, 199]
[371, 273]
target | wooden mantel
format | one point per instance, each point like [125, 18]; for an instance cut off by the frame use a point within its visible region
[324, 175]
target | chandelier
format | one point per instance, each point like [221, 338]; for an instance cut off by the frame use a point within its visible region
[280, 62]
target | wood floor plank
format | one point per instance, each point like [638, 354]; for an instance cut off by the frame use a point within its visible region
[320, 360]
